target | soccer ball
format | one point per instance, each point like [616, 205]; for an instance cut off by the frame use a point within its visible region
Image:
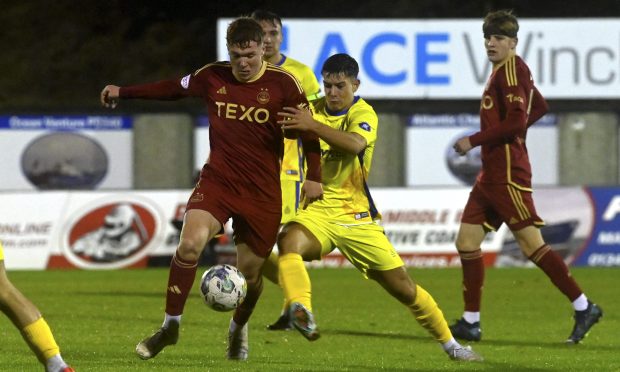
[223, 287]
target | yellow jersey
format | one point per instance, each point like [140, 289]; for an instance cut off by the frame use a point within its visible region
[344, 176]
[293, 161]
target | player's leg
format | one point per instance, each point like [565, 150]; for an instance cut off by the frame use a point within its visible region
[479, 217]
[423, 307]
[534, 247]
[468, 241]
[272, 273]
[250, 264]
[296, 243]
[33, 327]
[198, 228]
[291, 189]
[256, 226]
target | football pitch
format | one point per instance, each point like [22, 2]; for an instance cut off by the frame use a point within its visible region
[99, 316]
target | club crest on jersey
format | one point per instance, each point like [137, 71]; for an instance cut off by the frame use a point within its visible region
[197, 197]
[365, 126]
[185, 81]
[263, 96]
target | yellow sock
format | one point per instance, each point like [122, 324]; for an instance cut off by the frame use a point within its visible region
[284, 302]
[39, 336]
[294, 279]
[428, 314]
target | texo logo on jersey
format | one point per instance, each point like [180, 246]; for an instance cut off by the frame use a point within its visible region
[240, 112]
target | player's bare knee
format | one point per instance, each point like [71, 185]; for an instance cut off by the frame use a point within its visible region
[287, 243]
[189, 249]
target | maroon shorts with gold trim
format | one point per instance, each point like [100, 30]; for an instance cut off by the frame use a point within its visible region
[255, 223]
[491, 205]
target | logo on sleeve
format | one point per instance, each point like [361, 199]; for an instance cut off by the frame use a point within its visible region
[365, 126]
[185, 81]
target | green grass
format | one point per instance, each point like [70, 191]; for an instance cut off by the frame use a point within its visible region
[99, 316]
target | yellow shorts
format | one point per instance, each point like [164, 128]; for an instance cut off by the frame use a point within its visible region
[291, 191]
[1, 252]
[365, 246]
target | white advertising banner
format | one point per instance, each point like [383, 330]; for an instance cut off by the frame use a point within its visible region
[445, 58]
[65, 152]
[430, 159]
[202, 146]
[112, 230]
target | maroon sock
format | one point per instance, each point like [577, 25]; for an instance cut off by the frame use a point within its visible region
[553, 265]
[473, 279]
[180, 282]
[245, 310]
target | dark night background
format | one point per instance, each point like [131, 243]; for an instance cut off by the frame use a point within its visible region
[57, 56]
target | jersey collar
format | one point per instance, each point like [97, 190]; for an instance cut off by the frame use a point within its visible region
[342, 112]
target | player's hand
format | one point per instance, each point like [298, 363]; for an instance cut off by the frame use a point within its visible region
[297, 119]
[311, 191]
[109, 96]
[462, 146]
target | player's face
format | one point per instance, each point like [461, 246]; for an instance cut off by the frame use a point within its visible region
[499, 48]
[272, 40]
[339, 91]
[246, 62]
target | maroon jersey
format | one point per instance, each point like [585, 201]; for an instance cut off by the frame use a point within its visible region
[245, 139]
[509, 98]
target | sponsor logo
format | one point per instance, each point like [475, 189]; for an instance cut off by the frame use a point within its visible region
[512, 98]
[236, 111]
[359, 216]
[263, 96]
[185, 81]
[111, 233]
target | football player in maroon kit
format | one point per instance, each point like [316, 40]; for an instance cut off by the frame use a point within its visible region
[503, 190]
[241, 178]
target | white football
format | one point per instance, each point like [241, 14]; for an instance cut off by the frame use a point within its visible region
[223, 287]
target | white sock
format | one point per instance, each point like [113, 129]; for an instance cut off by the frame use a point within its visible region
[450, 345]
[581, 303]
[55, 364]
[171, 318]
[471, 316]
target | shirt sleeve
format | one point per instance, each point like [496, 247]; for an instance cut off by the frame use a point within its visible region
[539, 107]
[364, 123]
[165, 90]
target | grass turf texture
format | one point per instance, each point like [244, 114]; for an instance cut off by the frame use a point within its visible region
[99, 316]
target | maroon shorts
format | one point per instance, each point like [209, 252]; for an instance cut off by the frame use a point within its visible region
[255, 223]
[491, 205]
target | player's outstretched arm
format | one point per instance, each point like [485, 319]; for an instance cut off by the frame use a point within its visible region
[109, 96]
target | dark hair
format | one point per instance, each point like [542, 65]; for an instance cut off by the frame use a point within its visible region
[242, 31]
[501, 22]
[261, 15]
[341, 63]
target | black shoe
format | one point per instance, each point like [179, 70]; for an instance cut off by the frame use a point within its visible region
[282, 324]
[584, 320]
[466, 331]
[152, 345]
